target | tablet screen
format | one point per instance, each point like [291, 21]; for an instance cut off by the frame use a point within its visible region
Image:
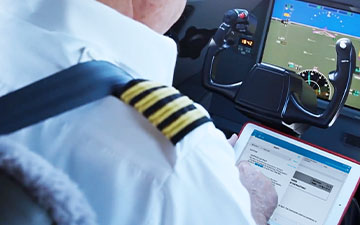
[307, 183]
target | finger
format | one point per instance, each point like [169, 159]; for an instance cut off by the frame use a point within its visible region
[249, 175]
[232, 140]
[246, 169]
[262, 193]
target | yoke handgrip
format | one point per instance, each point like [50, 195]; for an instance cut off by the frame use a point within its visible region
[228, 90]
[234, 21]
[340, 79]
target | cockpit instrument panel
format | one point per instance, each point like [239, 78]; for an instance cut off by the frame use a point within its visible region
[302, 37]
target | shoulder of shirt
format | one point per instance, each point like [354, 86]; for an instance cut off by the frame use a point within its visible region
[196, 142]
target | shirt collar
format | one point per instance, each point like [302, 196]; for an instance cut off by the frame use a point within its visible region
[132, 45]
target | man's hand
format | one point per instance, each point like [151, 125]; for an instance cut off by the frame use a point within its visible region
[262, 193]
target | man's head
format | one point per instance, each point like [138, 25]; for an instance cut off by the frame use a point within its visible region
[159, 15]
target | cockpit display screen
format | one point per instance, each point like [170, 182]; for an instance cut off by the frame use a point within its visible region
[302, 38]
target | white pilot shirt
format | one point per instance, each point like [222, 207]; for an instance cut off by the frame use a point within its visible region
[129, 172]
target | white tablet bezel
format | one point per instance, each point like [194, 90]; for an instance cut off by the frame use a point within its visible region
[348, 189]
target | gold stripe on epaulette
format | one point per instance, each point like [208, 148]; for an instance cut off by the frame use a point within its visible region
[183, 121]
[170, 108]
[137, 89]
[172, 113]
[154, 97]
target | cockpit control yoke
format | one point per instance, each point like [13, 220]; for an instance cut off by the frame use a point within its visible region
[272, 94]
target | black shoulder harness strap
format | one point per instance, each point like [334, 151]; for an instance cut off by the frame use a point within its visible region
[172, 113]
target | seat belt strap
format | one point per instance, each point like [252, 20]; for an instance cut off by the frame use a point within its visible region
[58, 93]
[172, 113]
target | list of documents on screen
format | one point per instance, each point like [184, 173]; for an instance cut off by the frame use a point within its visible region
[307, 183]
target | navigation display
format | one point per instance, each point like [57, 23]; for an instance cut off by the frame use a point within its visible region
[302, 38]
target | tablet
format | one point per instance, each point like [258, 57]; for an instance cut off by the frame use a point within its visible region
[314, 185]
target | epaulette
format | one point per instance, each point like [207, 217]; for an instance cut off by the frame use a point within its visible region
[172, 113]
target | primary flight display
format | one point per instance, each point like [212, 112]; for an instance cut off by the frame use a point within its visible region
[302, 38]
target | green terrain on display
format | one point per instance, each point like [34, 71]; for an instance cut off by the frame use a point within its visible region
[299, 47]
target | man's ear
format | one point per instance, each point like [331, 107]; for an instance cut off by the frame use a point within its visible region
[124, 7]
[159, 15]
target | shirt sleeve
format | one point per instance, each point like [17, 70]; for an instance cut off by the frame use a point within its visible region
[204, 187]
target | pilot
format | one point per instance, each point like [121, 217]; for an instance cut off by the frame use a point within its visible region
[130, 172]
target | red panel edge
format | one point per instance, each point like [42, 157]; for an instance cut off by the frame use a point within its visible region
[318, 147]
